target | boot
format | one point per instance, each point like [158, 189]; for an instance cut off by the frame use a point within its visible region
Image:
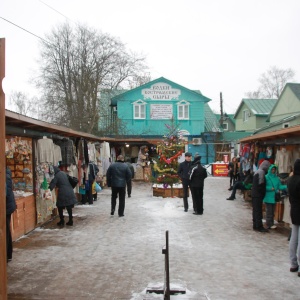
[70, 223]
[61, 222]
[61, 216]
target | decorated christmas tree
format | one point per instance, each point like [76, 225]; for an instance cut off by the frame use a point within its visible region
[165, 165]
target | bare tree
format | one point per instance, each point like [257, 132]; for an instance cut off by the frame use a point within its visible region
[272, 83]
[75, 65]
[23, 104]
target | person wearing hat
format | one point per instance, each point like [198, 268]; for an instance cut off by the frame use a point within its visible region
[197, 176]
[183, 172]
[118, 174]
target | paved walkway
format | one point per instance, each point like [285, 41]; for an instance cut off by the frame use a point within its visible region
[214, 256]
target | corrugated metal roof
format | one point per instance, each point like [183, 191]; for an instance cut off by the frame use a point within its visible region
[295, 87]
[260, 106]
[211, 123]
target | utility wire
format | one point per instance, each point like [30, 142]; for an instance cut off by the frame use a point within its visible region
[25, 30]
[56, 11]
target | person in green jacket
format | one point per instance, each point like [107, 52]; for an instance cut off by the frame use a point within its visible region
[273, 185]
[242, 185]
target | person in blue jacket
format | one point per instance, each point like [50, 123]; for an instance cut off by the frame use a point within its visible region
[273, 185]
[10, 208]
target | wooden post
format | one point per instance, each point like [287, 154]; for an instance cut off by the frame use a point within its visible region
[3, 262]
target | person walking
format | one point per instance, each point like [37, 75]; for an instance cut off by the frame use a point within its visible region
[183, 172]
[258, 194]
[129, 182]
[117, 176]
[293, 185]
[242, 185]
[65, 195]
[197, 176]
[10, 208]
[273, 185]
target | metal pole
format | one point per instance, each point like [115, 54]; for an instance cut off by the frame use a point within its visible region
[3, 262]
[167, 282]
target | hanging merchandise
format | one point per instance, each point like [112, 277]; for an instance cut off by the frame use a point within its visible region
[45, 185]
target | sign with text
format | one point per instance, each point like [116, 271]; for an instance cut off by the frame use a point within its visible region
[161, 91]
[161, 111]
[220, 169]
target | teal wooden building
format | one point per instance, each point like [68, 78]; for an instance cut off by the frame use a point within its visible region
[146, 110]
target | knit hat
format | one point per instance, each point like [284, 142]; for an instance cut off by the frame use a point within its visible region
[196, 155]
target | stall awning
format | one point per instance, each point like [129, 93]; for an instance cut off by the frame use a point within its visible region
[290, 135]
[22, 125]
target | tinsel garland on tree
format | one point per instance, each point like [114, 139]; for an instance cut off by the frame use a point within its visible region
[165, 166]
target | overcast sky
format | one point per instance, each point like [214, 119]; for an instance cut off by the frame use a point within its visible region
[208, 45]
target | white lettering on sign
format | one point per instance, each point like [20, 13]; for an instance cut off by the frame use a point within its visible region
[161, 111]
[161, 91]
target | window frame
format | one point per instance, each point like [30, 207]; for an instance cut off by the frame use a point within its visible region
[139, 110]
[246, 115]
[185, 106]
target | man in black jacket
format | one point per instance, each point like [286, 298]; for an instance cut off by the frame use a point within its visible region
[197, 176]
[117, 175]
[10, 208]
[183, 172]
[258, 194]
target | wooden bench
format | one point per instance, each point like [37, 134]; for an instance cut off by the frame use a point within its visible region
[247, 195]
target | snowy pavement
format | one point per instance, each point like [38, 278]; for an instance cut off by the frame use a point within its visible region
[213, 256]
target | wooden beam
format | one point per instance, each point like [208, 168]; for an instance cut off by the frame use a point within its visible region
[3, 262]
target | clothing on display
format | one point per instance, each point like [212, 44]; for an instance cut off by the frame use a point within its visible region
[45, 150]
[283, 160]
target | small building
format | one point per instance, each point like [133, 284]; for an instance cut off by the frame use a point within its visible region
[253, 114]
[146, 110]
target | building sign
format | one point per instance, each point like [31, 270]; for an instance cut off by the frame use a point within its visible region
[161, 111]
[161, 91]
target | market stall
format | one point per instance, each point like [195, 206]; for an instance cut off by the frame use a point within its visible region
[280, 147]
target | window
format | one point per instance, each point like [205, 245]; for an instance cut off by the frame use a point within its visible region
[139, 109]
[225, 126]
[246, 115]
[285, 125]
[183, 110]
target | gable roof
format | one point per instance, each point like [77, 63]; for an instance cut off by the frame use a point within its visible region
[259, 107]
[295, 88]
[114, 99]
[227, 116]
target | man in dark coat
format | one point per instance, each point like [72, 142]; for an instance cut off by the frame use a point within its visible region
[197, 176]
[293, 184]
[183, 172]
[117, 176]
[65, 196]
[10, 208]
[129, 182]
[258, 194]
